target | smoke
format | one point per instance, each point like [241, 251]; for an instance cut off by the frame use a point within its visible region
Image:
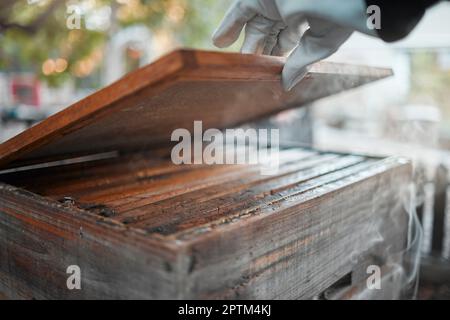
[412, 253]
[398, 262]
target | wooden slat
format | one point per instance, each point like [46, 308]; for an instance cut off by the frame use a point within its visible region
[212, 182]
[135, 185]
[247, 200]
[174, 203]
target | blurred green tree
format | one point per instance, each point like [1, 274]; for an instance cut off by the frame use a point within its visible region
[42, 36]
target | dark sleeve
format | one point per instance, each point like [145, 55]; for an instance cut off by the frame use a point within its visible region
[399, 17]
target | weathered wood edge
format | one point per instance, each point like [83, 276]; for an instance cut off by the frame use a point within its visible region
[125, 254]
[239, 277]
[72, 218]
[174, 241]
[90, 108]
[240, 220]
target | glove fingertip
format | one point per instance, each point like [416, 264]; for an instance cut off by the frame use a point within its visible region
[219, 44]
[220, 40]
[229, 30]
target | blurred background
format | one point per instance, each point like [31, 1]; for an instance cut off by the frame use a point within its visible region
[55, 52]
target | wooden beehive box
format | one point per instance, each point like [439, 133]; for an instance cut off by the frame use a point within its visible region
[139, 226]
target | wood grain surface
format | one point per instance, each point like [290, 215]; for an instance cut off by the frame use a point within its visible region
[141, 227]
[142, 109]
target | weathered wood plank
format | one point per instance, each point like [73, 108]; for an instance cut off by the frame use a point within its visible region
[287, 236]
[39, 239]
[305, 244]
[246, 198]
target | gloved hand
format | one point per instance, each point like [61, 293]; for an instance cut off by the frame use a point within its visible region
[272, 27]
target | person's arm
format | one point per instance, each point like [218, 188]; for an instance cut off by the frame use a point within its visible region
[399, 18]
[272, 27]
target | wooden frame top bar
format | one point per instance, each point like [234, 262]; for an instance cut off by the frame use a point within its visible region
[142, 109]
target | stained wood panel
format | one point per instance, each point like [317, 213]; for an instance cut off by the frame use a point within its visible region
[141, 110]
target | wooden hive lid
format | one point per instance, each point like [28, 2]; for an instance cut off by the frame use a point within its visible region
[141, 110]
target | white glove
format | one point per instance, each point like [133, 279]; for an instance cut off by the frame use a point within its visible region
[272, 27]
